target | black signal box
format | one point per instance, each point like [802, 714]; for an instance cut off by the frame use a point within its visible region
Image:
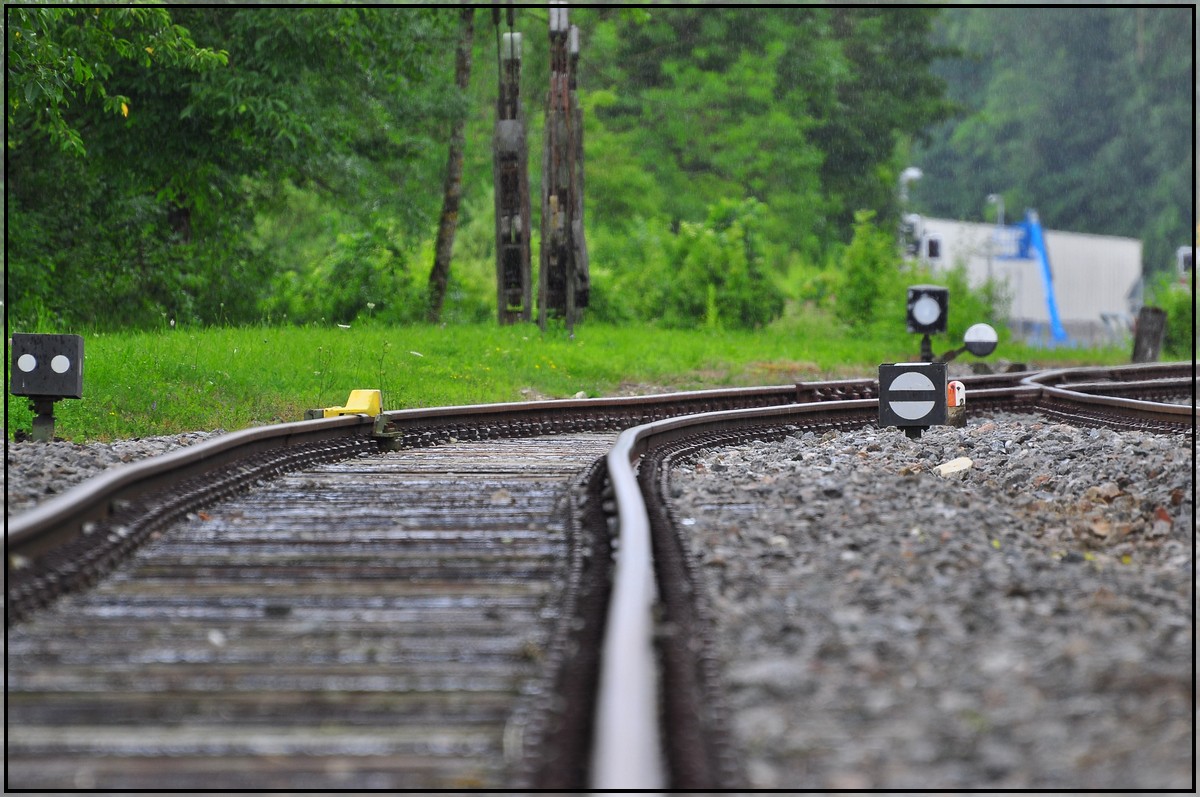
[47, 366]
[928, 306]
[912, 394]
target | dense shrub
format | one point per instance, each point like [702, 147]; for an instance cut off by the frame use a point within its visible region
[710, 274]
[361, 275]
[103, 257]
[868, 264]
[1179, 339]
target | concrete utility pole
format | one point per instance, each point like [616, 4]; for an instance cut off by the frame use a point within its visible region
[563, 282]
[510, 169]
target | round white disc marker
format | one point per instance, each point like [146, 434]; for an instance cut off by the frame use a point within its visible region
[912, 410]
[926, 310]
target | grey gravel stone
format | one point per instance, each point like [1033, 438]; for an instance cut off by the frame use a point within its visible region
[35, 471]
[1024, 624]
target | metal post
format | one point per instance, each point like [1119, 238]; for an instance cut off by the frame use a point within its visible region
[926, 349]
[43, 418]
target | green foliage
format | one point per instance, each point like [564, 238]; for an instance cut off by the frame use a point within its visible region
[252, 162]
[471, 292]
[707, 274]
[161, 215]
[1177, 299]
[868, 264]
[799, 108]
[883, 92]
[1086, 114]
[222, 165]
[56, 54]
[718, 273]
[630, 271]
[362, 275]
[101, 257]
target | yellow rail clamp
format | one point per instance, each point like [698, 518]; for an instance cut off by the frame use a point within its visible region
[361, 402]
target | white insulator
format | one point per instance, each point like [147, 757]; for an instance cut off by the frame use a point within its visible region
[510, 47]
[558, 18]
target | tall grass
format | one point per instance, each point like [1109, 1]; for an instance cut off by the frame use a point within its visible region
[138, 384]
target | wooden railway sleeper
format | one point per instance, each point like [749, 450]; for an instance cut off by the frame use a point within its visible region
[105, 544]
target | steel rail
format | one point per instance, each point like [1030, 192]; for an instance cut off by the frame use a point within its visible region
[408, 426]
[1122, 373]
[65, 515]
[1180, 415]
[627, 750]
[1117, 374]
[1180, 386]
[627, 747]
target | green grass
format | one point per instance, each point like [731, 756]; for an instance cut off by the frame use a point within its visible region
[138, 384]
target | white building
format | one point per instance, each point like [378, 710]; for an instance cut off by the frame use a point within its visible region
[1096, 278]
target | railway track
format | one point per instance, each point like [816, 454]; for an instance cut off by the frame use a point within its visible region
[413, 602]
[273, 641]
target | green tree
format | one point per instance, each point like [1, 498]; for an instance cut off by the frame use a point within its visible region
[156, 216]
[55, 55]
[802, 109]
[868, 263]
[439, 275]
[1086, 114]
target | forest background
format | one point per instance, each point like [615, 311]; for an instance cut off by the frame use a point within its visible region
[240, 165]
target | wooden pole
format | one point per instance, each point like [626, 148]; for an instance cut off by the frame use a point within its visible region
[510, 169]
[563, 280]
[1148, 334]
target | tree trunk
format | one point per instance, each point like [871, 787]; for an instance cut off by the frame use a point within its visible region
[440, 274]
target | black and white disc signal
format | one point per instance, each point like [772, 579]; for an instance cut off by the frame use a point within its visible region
[912, 394]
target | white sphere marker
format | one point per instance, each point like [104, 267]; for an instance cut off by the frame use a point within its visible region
[27, 362]
[60, 364]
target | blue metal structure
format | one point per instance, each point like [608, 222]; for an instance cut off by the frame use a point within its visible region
[1031, 245]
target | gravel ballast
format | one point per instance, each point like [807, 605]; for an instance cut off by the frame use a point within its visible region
[35, 471]
[1024, 623]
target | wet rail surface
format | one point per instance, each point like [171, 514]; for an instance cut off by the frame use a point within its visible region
[273, 640]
